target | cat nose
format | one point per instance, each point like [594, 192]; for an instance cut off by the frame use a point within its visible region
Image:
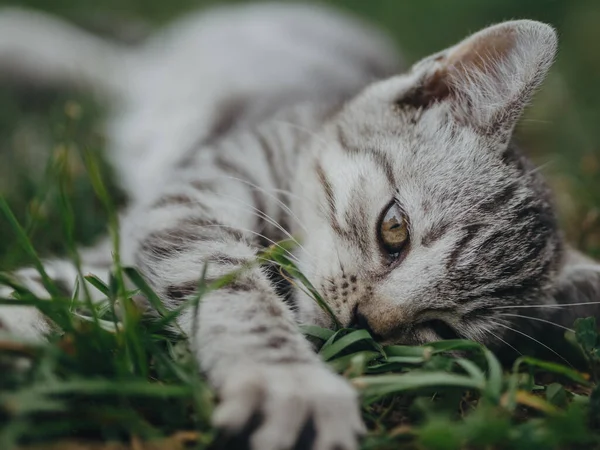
[360, 321]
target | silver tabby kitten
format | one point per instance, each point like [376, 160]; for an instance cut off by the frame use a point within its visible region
[417, 216]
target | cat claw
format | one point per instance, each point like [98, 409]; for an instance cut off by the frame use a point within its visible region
[285, 402]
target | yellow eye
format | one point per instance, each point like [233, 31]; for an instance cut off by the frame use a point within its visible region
[393, 230]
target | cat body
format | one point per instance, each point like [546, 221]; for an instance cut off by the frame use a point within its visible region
[416, 216]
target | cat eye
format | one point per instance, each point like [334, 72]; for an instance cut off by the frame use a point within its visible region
[393, 230]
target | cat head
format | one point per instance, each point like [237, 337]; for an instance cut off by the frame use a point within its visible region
[423, 215]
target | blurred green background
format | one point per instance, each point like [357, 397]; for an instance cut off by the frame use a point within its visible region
[561, 131]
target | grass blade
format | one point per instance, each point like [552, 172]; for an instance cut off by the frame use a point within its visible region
[329, 350]
[28, 248]
[376, 386]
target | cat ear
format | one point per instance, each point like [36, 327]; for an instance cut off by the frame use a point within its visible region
[489, 77]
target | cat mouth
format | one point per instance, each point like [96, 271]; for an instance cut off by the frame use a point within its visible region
[421, 333]
[441, 328]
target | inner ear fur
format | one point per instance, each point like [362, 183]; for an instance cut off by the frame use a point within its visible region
[456, 63]
[490, 76]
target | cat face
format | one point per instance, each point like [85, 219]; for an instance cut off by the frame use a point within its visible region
[423, 215]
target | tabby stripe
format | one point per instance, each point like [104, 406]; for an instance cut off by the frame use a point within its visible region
[500, 199]
[228, 114]
[518, 290]
[269, 154]
[470, 234]
[380, 158]
[355, 218]
[343, 141]
[490, 241]
[277, 341]
[352, 235]
[169, 242]
[224, 258]
[534, 248]
[183, 290]
[175, 199]
[286, 359]
[518, 281]
[202, 185]
[279, 182]
[286, 166]
[435, 233]
[326, 185]
[386, 165]
[232, 169]
[542, 213]
[239, 284]
[215, 225]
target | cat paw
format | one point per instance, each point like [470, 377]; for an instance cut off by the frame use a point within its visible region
[293, 406]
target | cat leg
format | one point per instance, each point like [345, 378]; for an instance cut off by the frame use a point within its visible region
[243, 334]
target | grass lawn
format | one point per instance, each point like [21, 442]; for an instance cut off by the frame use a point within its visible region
[112, 379]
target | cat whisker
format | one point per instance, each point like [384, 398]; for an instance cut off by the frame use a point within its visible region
[541, 167]
[281, 266]
[257, 212]
[258, 188]
[293, 239]
[291, 255]
[287, 193]
[502, 340]
[539, 320]
[534, 340]
[305, 130]
[266, 192]
[536, 121]
[555, 305]
[279, 202]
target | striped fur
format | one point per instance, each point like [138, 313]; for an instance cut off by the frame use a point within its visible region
[298, 131]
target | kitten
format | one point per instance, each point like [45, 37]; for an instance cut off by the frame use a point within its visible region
[418, 217]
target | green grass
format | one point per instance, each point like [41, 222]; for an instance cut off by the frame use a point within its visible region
[110, 374]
